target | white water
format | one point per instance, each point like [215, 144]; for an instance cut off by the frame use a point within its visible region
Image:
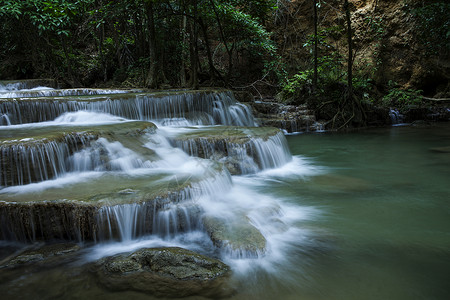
[14, 91]
[199, 108]
[397, 119]
[212, 192]
[78, 118]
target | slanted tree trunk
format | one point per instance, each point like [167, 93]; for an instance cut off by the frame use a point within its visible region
[73, 81]
[212, 69]
[228, 49]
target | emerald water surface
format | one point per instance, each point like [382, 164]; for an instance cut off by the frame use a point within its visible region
[384, 201]
[376, 225]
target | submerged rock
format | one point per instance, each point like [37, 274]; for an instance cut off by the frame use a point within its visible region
[338, 183]
[238, 237]
[441, 149]
[45, 254]
[168, 272]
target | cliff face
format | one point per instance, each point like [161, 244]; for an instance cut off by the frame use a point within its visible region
[392, 42]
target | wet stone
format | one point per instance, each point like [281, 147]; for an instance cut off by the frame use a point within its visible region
[168, 272]
[237, 237]
[44, 254]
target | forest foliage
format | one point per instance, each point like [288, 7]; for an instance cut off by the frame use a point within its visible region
[234, 43]
[176, 41]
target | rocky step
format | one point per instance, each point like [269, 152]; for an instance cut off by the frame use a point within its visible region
[304, 123]
[202, 106]
[14, 85]
[243, 150]
[289, 118]
[104, 207]
[50, 92]
[34, 154]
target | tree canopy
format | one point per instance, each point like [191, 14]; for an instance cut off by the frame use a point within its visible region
[149, 42]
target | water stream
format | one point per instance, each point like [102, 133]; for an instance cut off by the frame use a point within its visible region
[361, 215]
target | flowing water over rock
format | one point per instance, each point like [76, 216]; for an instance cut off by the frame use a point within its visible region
[195, 107]
[140, 204]
[122, 170]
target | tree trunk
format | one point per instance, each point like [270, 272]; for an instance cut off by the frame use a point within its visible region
[183, 39]
[194, 51]
[152, 77]
[315, 47]
[350, 49]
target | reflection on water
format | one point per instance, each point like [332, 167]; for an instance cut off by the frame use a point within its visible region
[365, 216]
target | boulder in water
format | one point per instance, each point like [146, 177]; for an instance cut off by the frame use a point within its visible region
[238, 236]
[168, 272]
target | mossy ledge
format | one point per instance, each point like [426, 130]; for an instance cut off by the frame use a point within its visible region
[80, 221]
[241, 149]
[136, 106]
[29, 155]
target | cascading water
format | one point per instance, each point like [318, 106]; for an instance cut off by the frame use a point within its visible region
[396, 117]
[4, 120]
[198, 108]
[242, 150]
[35, 161]
[123, 183]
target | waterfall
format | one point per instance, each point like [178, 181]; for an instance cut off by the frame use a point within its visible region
[34, 161]
[27, 84]
[396, 117]
[198, 108]
[165, 217]
[90, 165]
[4, 120]
[248, 155]
[50, 92]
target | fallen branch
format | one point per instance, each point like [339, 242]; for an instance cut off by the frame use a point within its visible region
[436, 99]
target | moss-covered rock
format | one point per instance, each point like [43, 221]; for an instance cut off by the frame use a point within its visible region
[238, 236]
[168, 272]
